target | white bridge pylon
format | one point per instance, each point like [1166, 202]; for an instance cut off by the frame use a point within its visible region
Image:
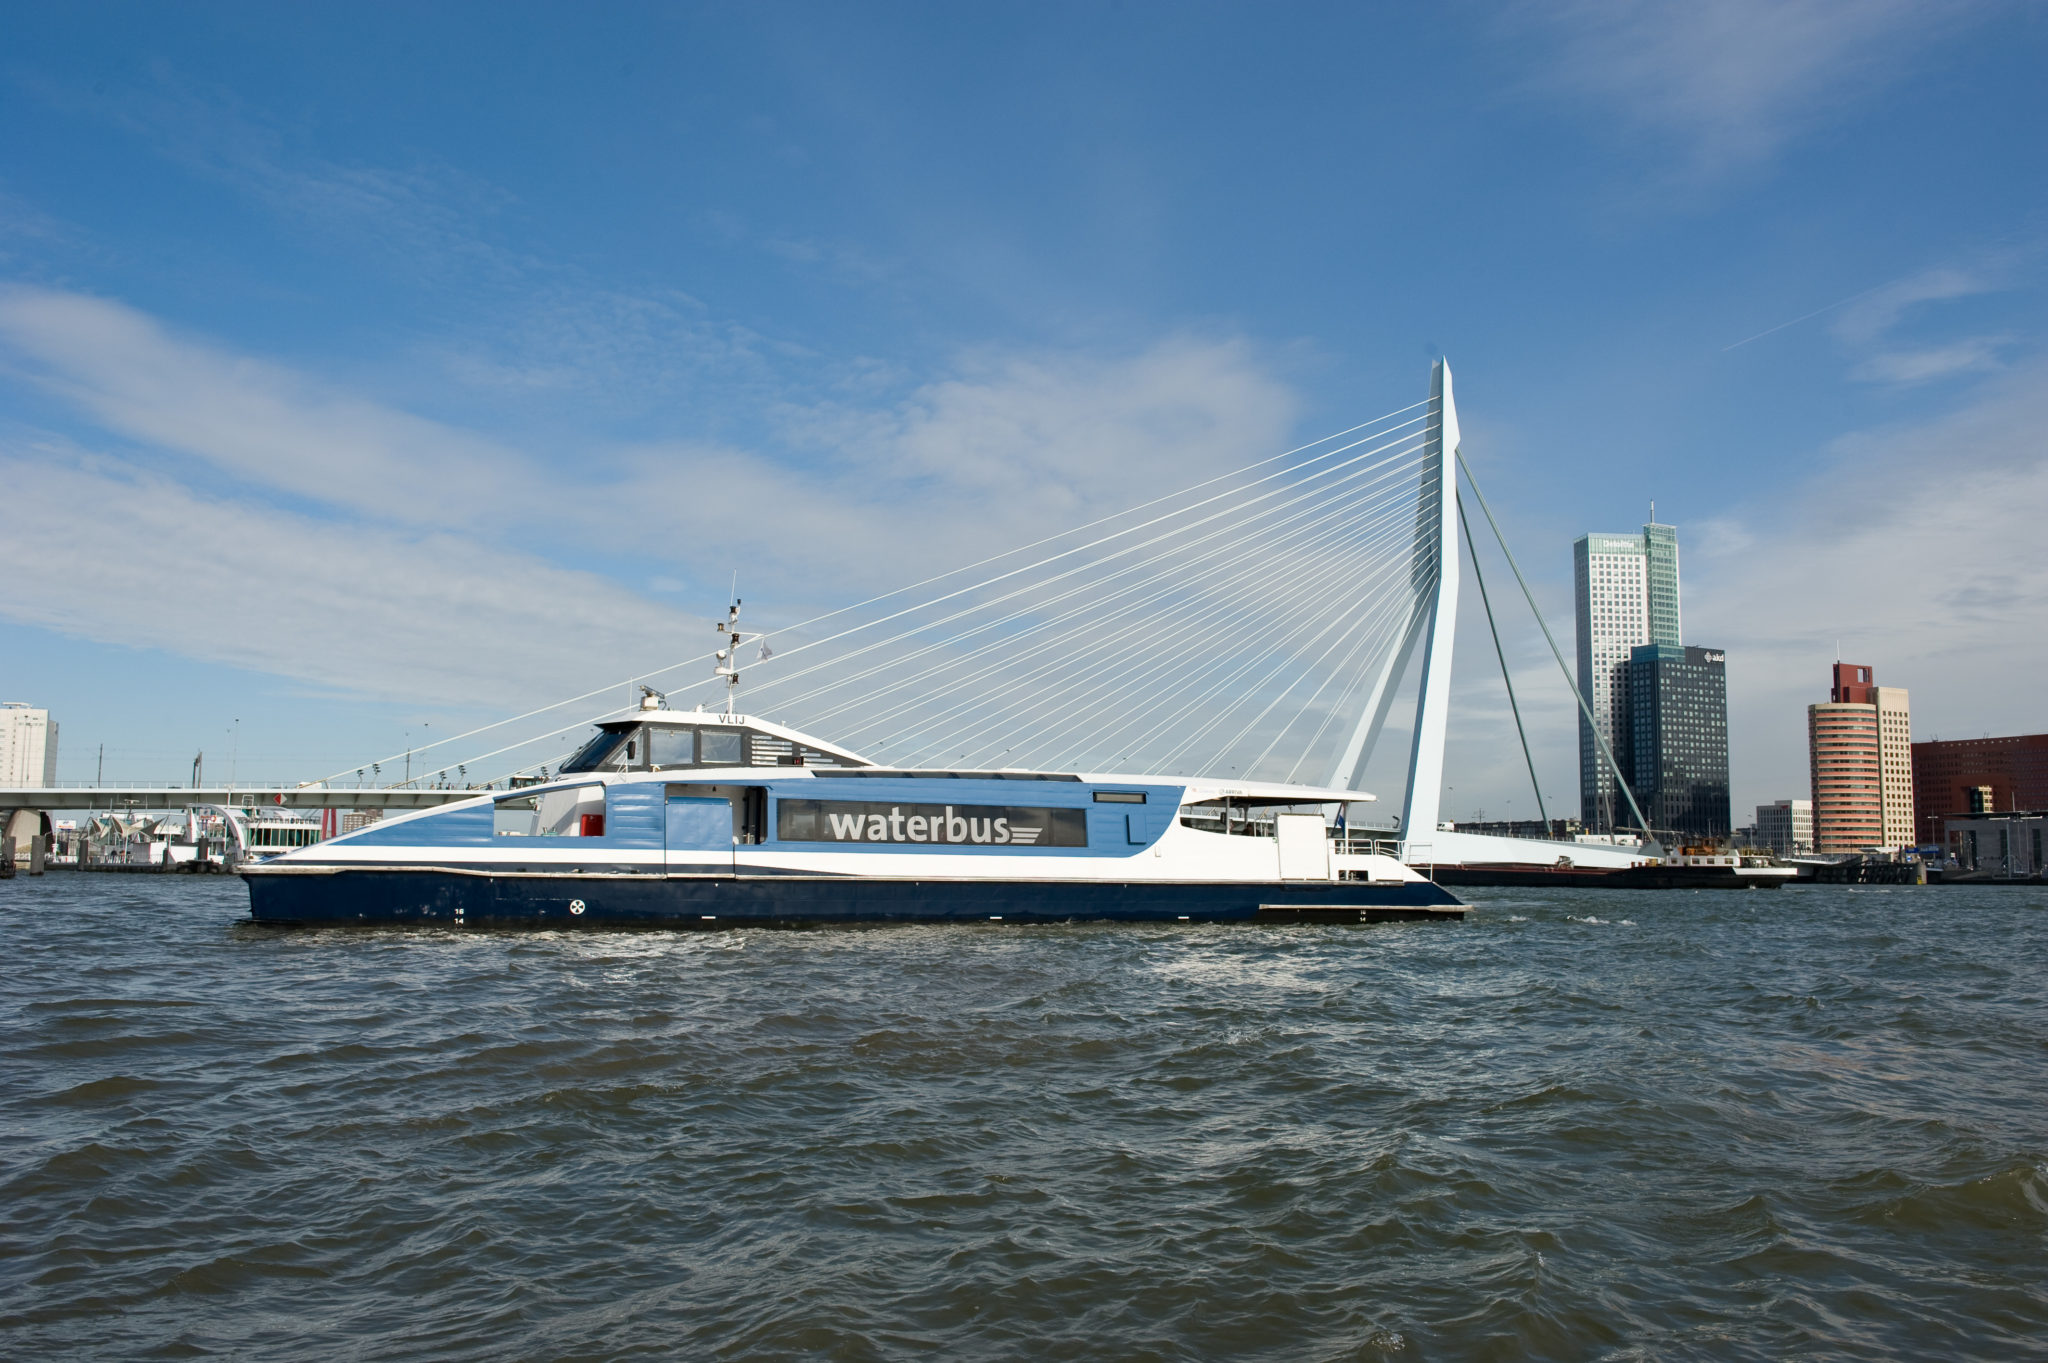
[1432, 622]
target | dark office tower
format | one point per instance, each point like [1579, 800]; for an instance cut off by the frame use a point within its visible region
[1678, 738]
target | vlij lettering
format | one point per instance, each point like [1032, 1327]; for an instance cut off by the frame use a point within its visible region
[868, 821]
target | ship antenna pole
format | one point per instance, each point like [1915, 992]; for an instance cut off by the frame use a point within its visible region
[728, 658]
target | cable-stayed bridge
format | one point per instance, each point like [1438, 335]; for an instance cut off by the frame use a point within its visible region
[1257, 624]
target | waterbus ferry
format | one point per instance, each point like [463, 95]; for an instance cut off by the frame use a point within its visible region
[703, 819]
[706, 819]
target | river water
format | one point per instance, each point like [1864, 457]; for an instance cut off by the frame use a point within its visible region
[1715, 1125]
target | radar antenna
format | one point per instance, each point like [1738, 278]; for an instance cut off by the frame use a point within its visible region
[728, 658]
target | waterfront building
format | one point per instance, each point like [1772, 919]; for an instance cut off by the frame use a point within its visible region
[1786, 827]
[28, 745]
[1895, 764]
[1842, 754]
[1626, 590]
[1859, 749]
[1997, 845]
[1946, 772]
[1678, 739]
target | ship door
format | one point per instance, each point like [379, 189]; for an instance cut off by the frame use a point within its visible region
[1304, 847]
[700, 832]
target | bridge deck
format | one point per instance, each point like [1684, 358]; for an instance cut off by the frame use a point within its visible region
[179, 797]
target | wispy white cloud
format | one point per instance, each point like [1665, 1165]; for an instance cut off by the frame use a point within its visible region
[23, 224]
[1732, 80]
[1978, 354]
[533, 327]
[1866, 321]
[624, 357]
[102, 551]
[1870, 325]
[523, 327]
[426, 218]
[252, 419]
[1006, 450]
[1875, 313]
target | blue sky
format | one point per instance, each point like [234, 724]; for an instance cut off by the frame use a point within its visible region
[365, 370]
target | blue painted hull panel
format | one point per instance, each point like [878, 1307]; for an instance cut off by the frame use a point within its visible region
[396, 896]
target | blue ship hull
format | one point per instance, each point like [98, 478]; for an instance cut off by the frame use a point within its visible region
[480, 899]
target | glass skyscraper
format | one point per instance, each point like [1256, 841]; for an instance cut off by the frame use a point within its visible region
[1660, 555]
[1627, 595]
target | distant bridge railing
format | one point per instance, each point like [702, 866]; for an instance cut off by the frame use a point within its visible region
[179, 797]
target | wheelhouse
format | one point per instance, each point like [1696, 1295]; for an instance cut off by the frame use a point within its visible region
[664, 741]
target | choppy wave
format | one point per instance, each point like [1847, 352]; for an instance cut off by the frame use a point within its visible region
[1805, 1124]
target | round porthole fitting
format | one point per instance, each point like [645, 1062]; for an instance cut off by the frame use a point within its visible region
[576, 906]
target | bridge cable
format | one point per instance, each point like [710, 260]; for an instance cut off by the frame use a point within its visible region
[1478, 575]
[1244, 583]
[939, 577]
[1253, 590]
[1584, 709]
[893, 664]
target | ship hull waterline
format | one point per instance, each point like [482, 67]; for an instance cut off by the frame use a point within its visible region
[444, 897]
[1618, 878]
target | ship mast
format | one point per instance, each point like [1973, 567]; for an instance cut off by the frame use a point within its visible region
[728, 658]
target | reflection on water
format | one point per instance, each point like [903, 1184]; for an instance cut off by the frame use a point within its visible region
[1582, 1125]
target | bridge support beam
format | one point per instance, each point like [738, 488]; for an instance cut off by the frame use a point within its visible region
[25, 839]
[1357, 754]
[1436, 544]
[1431, 625]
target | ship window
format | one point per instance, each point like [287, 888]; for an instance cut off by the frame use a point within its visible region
[1237, 817]
[1119, 797]
[571, 812]
[721, 748]
[592, 755]
[671, 747]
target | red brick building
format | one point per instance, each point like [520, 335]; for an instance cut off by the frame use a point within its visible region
[1944, 774]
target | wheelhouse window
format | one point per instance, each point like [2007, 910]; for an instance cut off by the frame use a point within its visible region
[606, 751]
[668, 747]
[721, 748]
[573, 812]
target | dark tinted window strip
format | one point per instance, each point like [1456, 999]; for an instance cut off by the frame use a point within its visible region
[886, 775]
